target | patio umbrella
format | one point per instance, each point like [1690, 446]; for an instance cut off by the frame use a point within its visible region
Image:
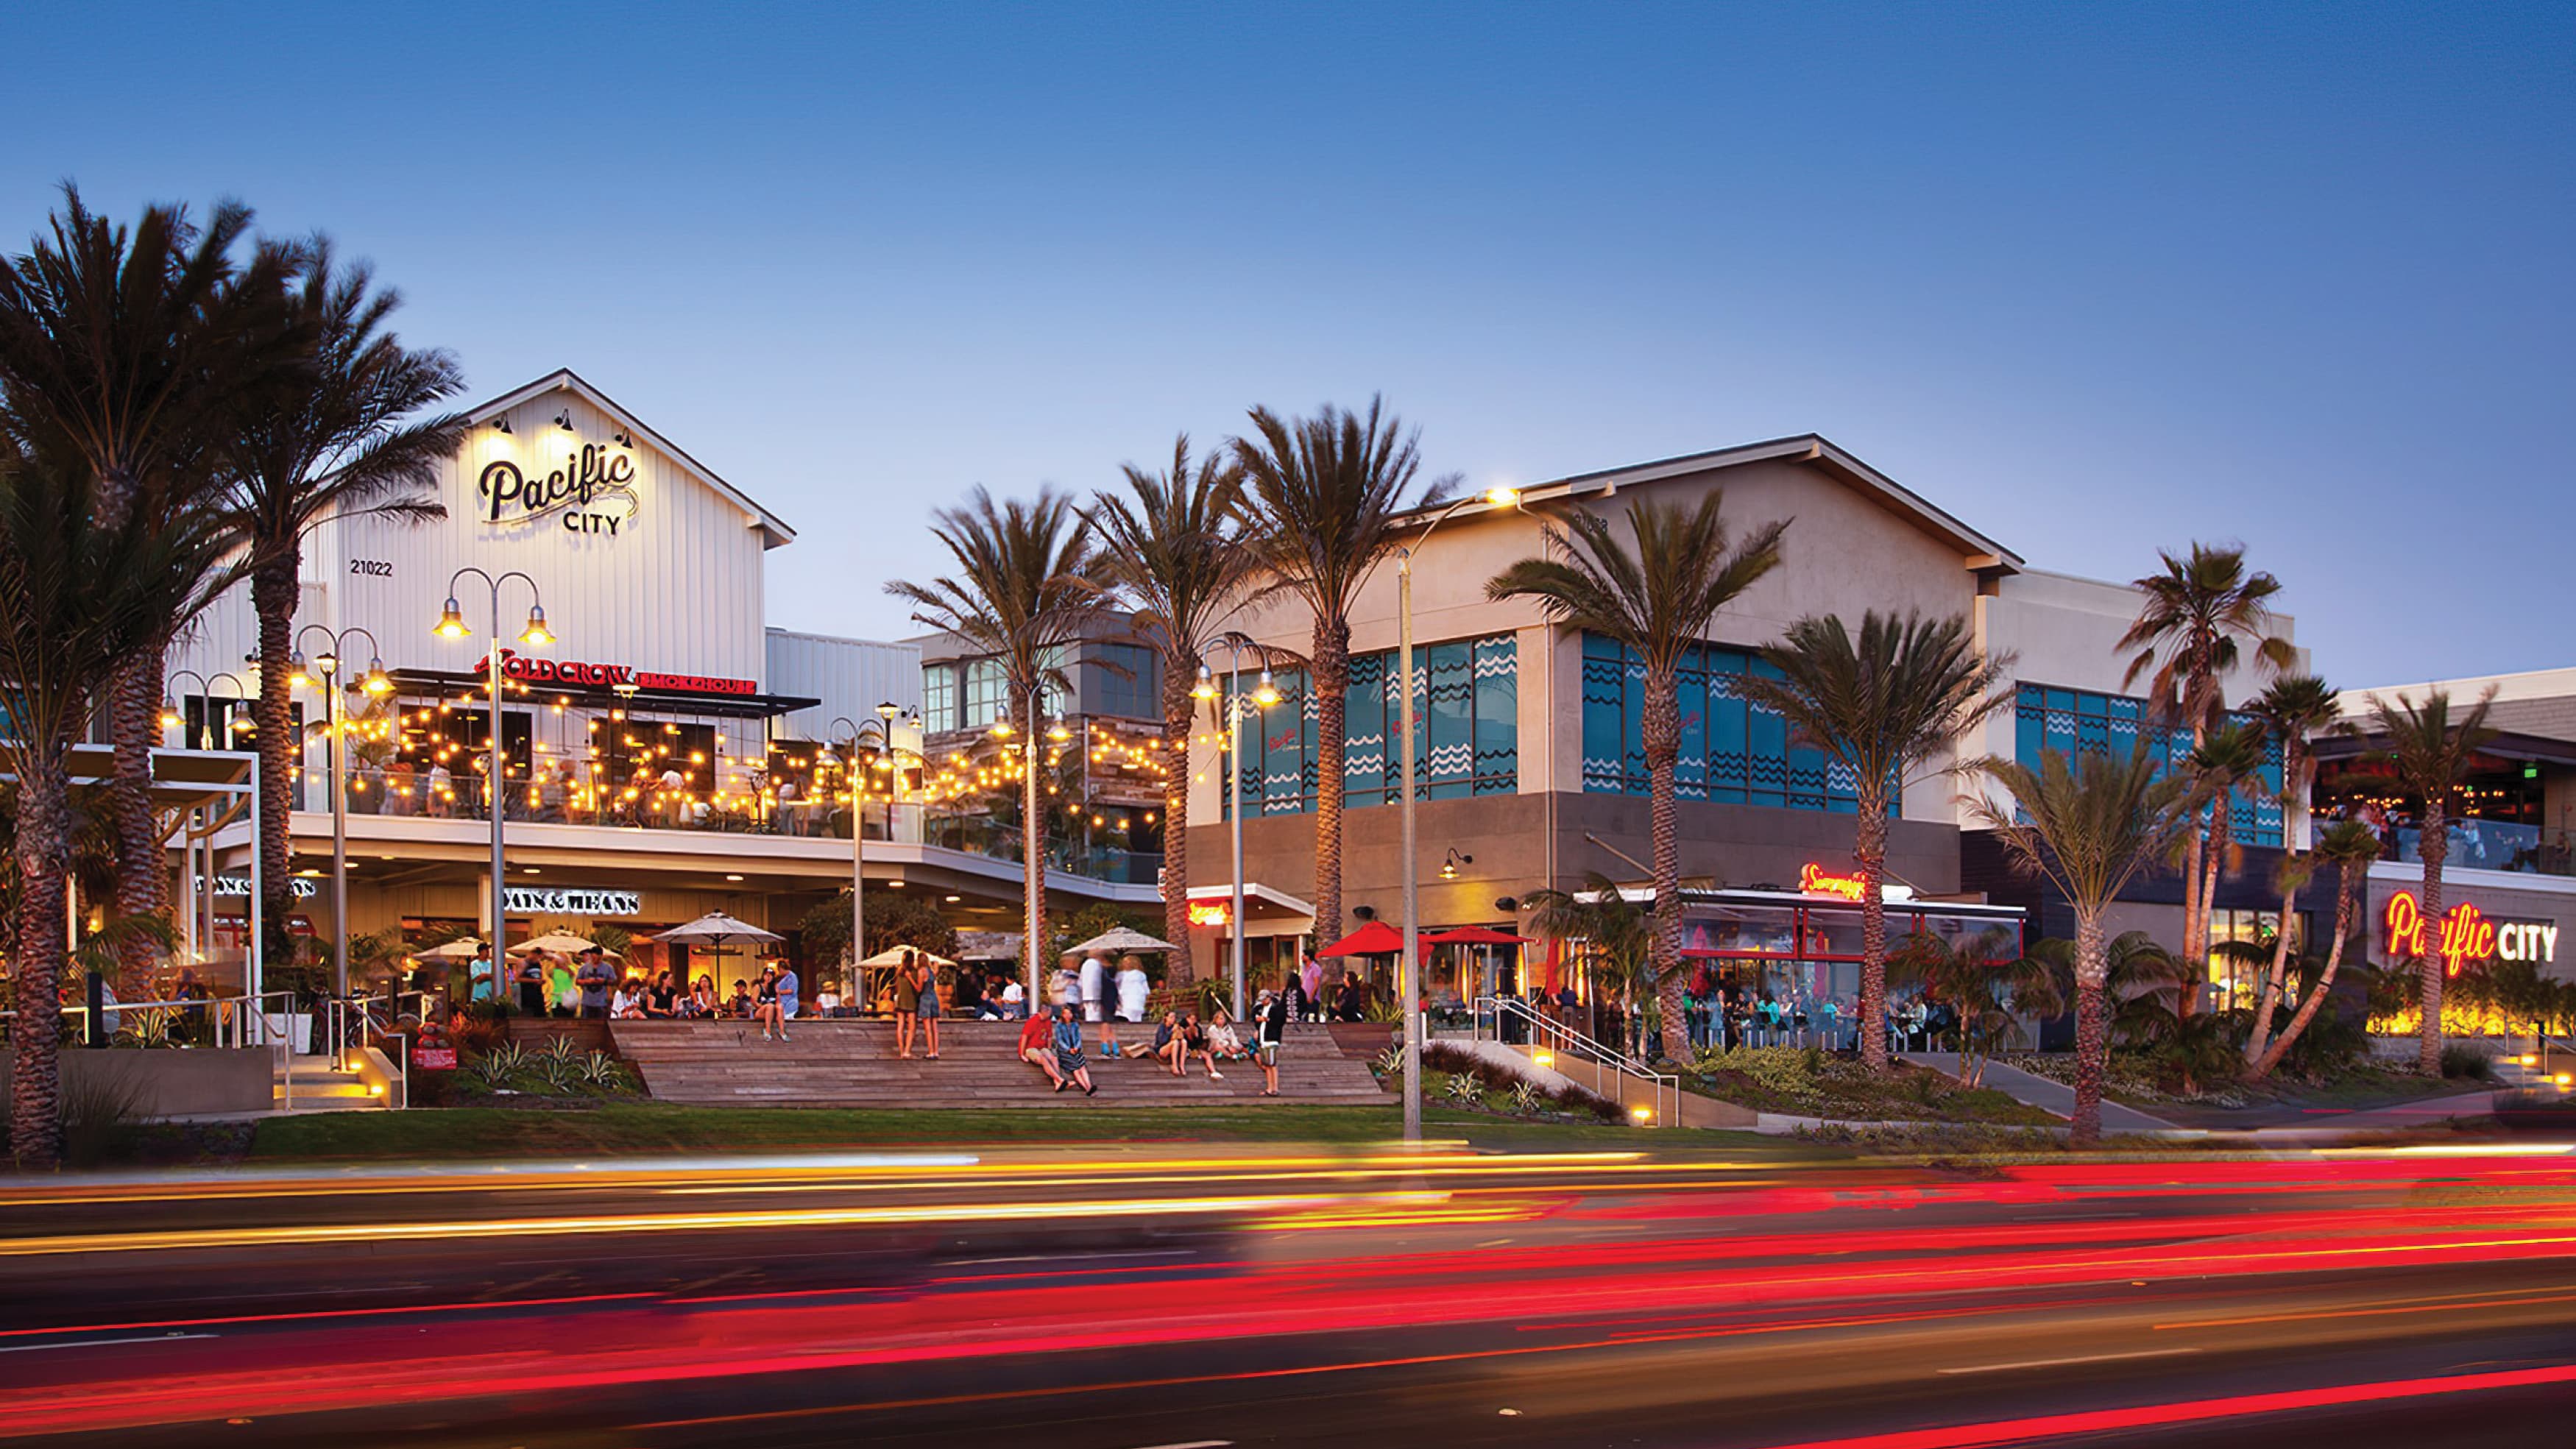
[716, 929]
[893, 956]
[1474, 936]
[463, 949]
[1377, 938]
[555, 941]
[1123, 940]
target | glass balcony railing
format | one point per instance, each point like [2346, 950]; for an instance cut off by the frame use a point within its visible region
[2487, 845]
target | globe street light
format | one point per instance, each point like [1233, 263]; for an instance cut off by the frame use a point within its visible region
[1409, 972]
[1237, 707]
[451, 625]
[376, 682]
[883, 728]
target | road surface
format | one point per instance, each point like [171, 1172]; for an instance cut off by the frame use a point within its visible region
[1116, 1299]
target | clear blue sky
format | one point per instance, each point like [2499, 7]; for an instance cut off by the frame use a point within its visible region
[2095, 278]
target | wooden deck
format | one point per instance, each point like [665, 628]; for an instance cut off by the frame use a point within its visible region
[840, 1063]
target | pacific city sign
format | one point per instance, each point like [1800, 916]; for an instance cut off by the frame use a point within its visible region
[2464, 935]
[593, 492]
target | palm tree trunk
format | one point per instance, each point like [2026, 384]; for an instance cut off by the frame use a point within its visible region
[1180, 711]
[2434, 846]
[2257, 1043]
[273, 597]
[142, 884]
[35, 1094]
[1662, 728]
[2195, 905]
[1870, 845]
[2222, 825]
[2092, 1027]
[2346, 889]
[1332, 684]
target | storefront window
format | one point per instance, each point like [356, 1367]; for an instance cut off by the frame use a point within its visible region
[1740, 930]
[939, 698]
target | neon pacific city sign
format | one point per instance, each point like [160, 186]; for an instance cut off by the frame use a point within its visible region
[2464, 935]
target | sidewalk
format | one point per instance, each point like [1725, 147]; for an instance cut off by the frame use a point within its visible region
[2040, 1092]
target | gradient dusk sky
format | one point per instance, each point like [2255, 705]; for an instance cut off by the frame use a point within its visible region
[2095, 278]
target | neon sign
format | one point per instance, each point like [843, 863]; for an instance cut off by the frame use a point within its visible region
[1814, 880]
[515, 665]
[2464, 934]
[1218, 914]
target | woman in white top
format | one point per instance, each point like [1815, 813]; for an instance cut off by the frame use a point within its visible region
[1133, 988]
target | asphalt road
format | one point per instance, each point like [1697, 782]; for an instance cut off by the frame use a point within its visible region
[1258, 1296]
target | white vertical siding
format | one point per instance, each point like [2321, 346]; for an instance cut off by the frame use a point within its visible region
[851, 676]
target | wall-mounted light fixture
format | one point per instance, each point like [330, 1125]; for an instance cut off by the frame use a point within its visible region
[563, 420]
[622, 440]
[1449, 867]
[500, 425]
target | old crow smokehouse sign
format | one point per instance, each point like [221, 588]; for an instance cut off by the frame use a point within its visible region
[593, 492]
[515, 665]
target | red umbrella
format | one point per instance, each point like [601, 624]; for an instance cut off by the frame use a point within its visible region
[1377, 938]
[1474, 936]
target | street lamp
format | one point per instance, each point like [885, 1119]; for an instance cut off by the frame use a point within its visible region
[883, 728]
[326, 668]
[451, 625]
[1409, 973]
[1237, 707]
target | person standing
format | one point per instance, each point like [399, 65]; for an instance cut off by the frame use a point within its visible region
[1095, 986]
[926, 1005]
[595, 979]
[1269, 1033]
[1293, 992]
[907, 1004]
[1133, 989]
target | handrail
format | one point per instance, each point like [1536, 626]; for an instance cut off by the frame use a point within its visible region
[1562, 1041]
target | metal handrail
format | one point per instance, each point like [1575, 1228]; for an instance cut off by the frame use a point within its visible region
[1562, 1042]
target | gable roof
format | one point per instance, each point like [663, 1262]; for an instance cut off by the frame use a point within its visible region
[1816, 451]
[773, 529]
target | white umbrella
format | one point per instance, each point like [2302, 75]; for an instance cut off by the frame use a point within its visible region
[555, 941]
[1123, 940]
[893, 956]
[715, 928]
[458, 950]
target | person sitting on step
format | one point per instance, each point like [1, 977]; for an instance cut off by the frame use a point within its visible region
[1037, 1047]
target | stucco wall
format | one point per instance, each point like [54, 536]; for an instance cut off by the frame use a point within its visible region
[190, 1082]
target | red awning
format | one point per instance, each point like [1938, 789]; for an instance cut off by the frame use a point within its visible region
[1377, 938]
[1474, 936]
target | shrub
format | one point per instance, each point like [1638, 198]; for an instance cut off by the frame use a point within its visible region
[2463, 1061]
[1464, 1091]
[98, 1107]
[500, 1062]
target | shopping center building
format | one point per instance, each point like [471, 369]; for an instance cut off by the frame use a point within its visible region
[667, 753]
[1532, 771]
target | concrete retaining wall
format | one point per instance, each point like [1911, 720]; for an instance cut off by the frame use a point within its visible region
[194, 1081]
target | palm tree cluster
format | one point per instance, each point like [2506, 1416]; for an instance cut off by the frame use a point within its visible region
[181, 402]
[1304, 507]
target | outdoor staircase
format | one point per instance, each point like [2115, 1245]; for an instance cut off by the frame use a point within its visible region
[319, 1088]
[851, 1063]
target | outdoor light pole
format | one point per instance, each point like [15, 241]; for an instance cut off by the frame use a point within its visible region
[327, 665]
[883, 728]
[1409, 965]
[451, 625]
[1236, 707]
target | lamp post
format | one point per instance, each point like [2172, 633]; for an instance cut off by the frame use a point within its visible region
[198, 887]
[327, 665]
[1409, 972]
[1237, 707]
[451, 625]
[883, 728]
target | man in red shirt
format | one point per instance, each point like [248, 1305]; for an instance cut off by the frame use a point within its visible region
[1037, 1044]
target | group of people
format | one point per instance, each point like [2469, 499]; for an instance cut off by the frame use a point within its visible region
[1056, 1043]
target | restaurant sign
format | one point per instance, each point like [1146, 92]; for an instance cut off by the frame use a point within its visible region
[2464, 935]
[593, 492]
[572, 901]
[531, 670]
[1815, 880]
[237, 887]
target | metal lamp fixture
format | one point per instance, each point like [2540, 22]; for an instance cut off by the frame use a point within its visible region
[451, 622]
[536, 633]
[1449, 867]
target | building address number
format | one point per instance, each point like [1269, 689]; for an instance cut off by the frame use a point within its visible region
[373, 568]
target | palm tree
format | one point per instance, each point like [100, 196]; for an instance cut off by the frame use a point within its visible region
[2431, 753]
[1176, 550]
[126, 348]
[2223, 768]
[1328, 496]
[2295, 708]
[337, 439]
[2199, 614]
[1882, 706]
[1619, 936]
[1659, 596]
[1027, 583]
[1986, 980]
[2088, 829]
[2349, 846]
[78, 597]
